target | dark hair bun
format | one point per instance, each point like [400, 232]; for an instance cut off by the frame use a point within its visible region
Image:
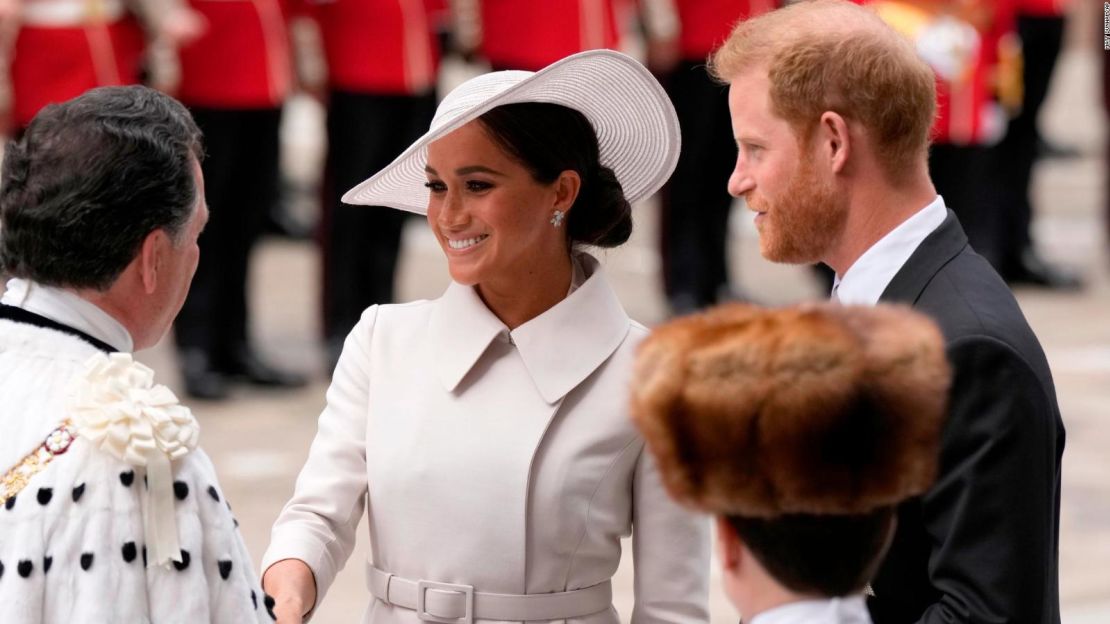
[601, 215]
[549, 139]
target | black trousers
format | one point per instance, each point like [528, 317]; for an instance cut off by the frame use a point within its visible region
[695, 202]
[361, 243]
[1041, 39]
[241, 180]
[968, 177]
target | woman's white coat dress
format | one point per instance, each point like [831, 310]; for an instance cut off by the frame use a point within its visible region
[500, 459]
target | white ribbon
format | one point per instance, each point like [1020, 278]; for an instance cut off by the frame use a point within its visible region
[117, 408]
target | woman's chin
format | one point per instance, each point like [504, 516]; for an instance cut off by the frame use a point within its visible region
[463, 273]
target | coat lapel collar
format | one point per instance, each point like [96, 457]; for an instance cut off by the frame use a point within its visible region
[560, 347]
[460, 330]
[565, 344]
[931, 255]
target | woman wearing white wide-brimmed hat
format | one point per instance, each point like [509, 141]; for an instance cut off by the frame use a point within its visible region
[486, 432]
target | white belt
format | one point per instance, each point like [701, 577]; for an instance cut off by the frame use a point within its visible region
[460, 604]
[70, 12]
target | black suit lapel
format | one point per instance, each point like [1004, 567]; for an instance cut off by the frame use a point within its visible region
[930, 256]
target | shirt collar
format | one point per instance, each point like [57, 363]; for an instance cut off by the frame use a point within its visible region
[560, 347]
[848, 610]
[63, 306]
[865, 281]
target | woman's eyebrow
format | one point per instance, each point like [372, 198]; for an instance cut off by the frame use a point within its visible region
[467, 170]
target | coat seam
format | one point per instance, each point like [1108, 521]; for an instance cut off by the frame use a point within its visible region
[589, 509]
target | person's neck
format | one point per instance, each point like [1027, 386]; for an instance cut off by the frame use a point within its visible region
[109, 303]
[873, 213]
[758, 598]
[518, 298]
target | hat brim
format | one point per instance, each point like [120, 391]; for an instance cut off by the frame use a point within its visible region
[636, 126]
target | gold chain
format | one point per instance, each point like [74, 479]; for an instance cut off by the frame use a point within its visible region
[56, 443]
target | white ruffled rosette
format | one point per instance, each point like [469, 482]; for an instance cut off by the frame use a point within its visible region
[116, 406]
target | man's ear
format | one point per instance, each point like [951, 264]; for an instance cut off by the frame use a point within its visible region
[567, 187]
[152, 255]
[728, 544]
[836, 141]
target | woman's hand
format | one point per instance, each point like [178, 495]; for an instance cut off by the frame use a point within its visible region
[293, 587]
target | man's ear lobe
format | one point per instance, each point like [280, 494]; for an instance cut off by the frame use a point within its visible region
[151, 257]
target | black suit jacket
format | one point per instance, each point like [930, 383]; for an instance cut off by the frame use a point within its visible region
[981, 545]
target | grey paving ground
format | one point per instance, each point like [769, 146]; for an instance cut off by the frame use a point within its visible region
[258, 441]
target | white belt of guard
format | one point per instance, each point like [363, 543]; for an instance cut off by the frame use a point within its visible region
[71, 13]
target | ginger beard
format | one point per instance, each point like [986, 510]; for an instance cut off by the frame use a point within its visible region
[803, 223]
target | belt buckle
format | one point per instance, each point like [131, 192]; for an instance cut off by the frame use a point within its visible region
[467, 591]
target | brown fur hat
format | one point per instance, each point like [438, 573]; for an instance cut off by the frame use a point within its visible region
[818, 409]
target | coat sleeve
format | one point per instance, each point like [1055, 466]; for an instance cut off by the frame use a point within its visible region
[670, 550]
[319, 522]
[992, 515]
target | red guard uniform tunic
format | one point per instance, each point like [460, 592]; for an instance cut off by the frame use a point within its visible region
[531, 34]
[379, 46]
[65, 47]
[242, 60]
[705, 24]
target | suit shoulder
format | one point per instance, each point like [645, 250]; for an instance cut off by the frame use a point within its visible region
[973, 306]
[966, 297]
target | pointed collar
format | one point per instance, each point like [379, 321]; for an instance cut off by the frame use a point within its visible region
[934, 252]
[867, 278]
[560, 347]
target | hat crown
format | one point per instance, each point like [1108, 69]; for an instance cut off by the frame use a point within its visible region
[474, 92]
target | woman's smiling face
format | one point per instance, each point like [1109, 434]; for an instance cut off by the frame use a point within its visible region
[489, 214]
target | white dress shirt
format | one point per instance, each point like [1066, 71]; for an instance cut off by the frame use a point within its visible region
[864, 282]
[64, 307]
[850, 610]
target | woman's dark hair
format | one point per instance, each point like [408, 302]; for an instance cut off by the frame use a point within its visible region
[828, 555]
[549, 139]
[90, 179]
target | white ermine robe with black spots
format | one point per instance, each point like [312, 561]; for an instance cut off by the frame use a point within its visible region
[71, 543]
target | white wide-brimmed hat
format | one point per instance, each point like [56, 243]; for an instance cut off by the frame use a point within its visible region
[636, 126]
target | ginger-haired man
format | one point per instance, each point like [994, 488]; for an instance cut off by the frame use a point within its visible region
[831, 111]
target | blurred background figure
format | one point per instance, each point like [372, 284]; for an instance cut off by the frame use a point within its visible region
[58, 49]
[530, 35]
[234, 77]
[1040, 28]
[695, 204]
[382, 64]
[993, 60]
[961, 42]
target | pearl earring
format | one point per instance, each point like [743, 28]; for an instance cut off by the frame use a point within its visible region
[557, 218]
